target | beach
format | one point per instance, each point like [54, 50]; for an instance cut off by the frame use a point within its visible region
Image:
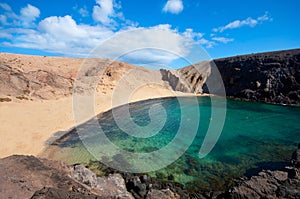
[27, 125]
[40, 96]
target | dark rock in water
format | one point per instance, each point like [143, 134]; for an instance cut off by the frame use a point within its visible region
[295, 161]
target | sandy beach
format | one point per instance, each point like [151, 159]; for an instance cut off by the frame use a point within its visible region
[36, 95]
[27, 125]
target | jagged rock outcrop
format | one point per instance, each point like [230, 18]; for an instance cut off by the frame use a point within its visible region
[113, 185]
[175, 81]
[268, 184]
[272, 77]
[195, 76]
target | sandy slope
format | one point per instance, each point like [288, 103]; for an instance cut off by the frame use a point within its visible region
[27, 124]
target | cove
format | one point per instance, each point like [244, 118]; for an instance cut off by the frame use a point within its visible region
[255, 136]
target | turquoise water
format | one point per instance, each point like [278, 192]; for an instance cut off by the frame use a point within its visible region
[255, 136]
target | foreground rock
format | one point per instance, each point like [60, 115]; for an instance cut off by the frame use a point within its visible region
[30, 177]
[271, 184]
[113, 185]
[268, 184]
[27, 176]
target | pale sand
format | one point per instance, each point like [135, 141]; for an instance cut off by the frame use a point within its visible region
[27, 125]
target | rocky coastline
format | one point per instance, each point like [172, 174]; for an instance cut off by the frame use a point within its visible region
[266, 77]
[272, 77]
[37, 178]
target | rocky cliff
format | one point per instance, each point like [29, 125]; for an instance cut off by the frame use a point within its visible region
[268, 77]
[272, 77]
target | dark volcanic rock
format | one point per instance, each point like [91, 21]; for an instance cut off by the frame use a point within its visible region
[295, 161]
[272, 77]
[268, 77]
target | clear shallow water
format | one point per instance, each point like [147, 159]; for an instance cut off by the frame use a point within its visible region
[255, 136]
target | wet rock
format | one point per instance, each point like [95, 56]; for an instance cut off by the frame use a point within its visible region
[295, 161]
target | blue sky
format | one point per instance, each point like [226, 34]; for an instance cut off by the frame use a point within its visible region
[222, 28]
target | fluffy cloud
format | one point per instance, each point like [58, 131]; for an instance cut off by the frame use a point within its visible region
[29, 14]
[158, 44]
[104, 11]
[63, 35]
[240, 23]
[26, 17]
[173, 6]
[223, 39]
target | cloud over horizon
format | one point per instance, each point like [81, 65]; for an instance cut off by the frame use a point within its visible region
[64, 35]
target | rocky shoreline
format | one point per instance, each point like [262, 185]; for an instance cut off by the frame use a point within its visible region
[271, 77]
[37, 178]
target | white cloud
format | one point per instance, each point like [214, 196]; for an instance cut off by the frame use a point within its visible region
[104, 11]
[60, 35]
[240, 23]
[84, 12]
[173, 6]
[29, 14]
[207, 43]
[154, 44]
[191, 34]
[63, 35]
[223, 39]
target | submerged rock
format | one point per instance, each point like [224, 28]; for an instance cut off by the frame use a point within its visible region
[295, 161]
